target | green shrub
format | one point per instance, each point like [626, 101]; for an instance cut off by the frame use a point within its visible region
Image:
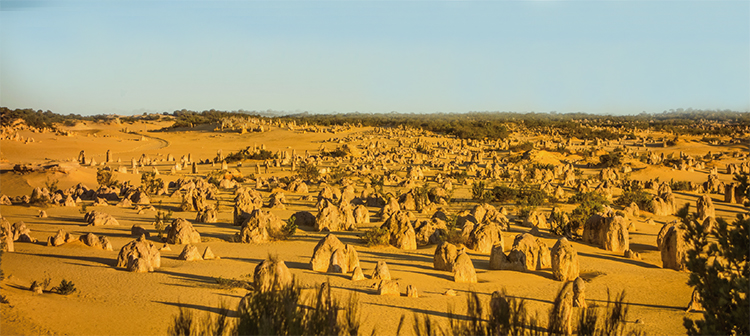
[250, 154]
[279, 312]
[376, 236]
[225, 283]
[637, 196]
[610, 160]
[459, 175]
[680, 185]
[65, 287]
[588, 204]
[504, 193]
[719, 265]
[151, 184]
[521, 147]
[477, 190]
[307, 171]
[104, 178]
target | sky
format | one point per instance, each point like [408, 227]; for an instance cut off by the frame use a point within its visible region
[603, 57]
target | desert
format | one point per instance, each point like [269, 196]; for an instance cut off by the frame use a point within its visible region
[141, 219]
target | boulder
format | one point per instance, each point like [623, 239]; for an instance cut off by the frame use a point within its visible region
[528, 246]
[429, 232]
[402, 234]
[484, 236]
[411, 291]
[463, 269]
[321, 258]
[579, 293]
[60, 238]
[181, 231]
[92, 240]
[209, 254]
[357, 274]
[498, 258]
[561, 315]
[329, 219]
[564, 257]
[139, 255]
[388, 287]
[6, 236]
[705, 208]
[271, 274]
[277, 201]
[21, 233]
[246, 201]
[361, 215]
[344, 260]
[674, 249]
[98, 218]
[536, 219]
[137, 231]
[304, 218]
[607, 232]
[190, 253]
[633, 255]
[208, 215]
[544, 259]
[445, 255]
[259, 226]
[381, 271]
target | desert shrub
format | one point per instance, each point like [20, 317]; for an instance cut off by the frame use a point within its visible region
[337, 173]
[529, 195]
[719, 265]
[65, 287]
[104, 178]
[504, 193]
[52, 185]
[286, 312]
[634, 195]
[680, 185]
[459, 175]
[421, 196]
[290, 228]
[226, 283]
[338, 152]
[559, 226]
[424, 149]
[307, 171]
[512, 317]
[151, 184]
[279, 312]
[521, 147]
[161, 220]
[477, 190]
[376, 236]
[588, 204]
[610, 160]
[250, 154]
[452, 234]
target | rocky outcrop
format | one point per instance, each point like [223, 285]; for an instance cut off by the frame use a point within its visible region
[6, 236]
[402, 234]
[705, 208]
[565, 265]
[98, 218]
[329, 219]
[608, 232]
[259, 226]
[445, 255]
[388, 287]
[271, 274]
[381, 271]
[181, 231]
[674, 249]
[60, 238]
[190, 253]
[139, 255]
[463, 269]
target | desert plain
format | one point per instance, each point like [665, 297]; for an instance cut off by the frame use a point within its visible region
[380, 165]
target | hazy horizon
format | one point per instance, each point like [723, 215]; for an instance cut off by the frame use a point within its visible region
[616, 58]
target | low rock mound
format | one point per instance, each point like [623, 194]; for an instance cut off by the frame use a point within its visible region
[271, 274]
[139, 255]
[181, 231]
[98, 218]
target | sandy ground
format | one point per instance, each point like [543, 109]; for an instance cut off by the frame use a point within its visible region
[116, 302]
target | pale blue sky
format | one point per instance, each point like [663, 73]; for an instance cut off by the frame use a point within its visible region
[618, 57]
